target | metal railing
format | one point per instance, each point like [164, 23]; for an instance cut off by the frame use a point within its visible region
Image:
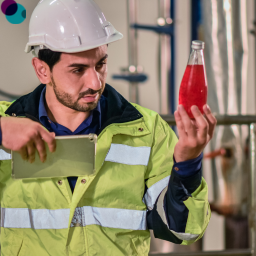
[249, 120]
[222, 120]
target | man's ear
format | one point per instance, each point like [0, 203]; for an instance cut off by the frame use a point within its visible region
[42, 70]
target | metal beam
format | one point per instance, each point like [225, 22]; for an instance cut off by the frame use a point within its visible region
[222, 120]
[132, 47]
[252, 216]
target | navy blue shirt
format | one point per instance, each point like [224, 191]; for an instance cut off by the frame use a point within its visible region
[92, 125]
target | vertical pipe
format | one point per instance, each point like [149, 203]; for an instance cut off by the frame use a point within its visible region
[132, 48]
[245, 58]
[164, 59]
[255, 42]
[160, 60]
[195, 18]
[252, 219]
[194, 6]
[172, 67]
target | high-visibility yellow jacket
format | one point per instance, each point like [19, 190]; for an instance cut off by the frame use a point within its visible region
[107, 214]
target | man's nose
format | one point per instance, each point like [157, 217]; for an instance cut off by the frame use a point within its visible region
[92, 79]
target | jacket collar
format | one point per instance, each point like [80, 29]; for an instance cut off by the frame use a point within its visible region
[117, 109]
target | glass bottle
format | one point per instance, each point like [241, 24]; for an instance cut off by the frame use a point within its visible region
[193, 88]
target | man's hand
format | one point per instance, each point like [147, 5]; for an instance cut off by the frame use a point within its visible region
[26, 136]
[193, 134]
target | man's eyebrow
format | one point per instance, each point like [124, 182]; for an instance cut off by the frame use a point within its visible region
[80, 65]
[105, 57]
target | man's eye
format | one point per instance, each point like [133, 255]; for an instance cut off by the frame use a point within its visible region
[77, 71]
[100, 65]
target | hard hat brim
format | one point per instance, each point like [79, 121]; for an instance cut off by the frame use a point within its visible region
[102, 41]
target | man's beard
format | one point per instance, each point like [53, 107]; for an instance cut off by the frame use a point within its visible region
[67, 100]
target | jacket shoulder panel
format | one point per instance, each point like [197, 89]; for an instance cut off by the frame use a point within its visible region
[147, 113]
[154, 121]
[4, 105]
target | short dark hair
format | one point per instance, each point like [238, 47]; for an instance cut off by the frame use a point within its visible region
[49, 57]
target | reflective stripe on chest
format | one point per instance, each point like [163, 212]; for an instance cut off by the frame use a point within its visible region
[84, 216]
[4, 155]
[124, 154]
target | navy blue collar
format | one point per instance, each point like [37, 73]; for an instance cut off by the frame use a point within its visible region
[51, 126]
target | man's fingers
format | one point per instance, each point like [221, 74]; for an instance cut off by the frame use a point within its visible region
[188, 126]
[49, 138]
[210, 119]
[179, 124]
[201, 123]
[24, 153]
[40, 146]
[31, 152]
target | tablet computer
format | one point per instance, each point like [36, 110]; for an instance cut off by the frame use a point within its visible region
[74, 156]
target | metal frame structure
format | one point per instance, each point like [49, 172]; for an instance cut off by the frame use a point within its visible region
[133, 73]
[166, 54]
[164, 50]
[249, 120]
[132, 48]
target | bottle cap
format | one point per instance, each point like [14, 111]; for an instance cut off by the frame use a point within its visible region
[198, 45]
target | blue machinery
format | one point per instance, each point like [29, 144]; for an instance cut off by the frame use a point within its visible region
[166, 73]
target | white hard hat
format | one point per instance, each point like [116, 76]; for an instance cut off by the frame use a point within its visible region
[69, 26]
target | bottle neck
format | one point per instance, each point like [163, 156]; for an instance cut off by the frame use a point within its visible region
[196, 57]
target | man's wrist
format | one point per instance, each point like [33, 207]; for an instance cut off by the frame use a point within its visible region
[188, 168]
[180, 159]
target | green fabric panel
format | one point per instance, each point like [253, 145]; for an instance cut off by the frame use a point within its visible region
[4, 105]
[33, 242]
[33, 194]
[90, 240]
[112, 188]
[199, 212]
[117, 242]
[161, 160]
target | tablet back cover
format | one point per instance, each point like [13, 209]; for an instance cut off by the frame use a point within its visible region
[74, 156]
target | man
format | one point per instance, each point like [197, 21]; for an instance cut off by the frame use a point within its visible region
[144, 179]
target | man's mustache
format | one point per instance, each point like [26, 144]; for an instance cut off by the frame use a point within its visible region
[89, 92]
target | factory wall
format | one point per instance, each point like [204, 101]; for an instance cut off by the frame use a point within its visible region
[18, 77]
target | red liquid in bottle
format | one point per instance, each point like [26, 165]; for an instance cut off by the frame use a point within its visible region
[193, 88]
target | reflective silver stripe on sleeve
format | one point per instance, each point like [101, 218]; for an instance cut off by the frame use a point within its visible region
[4, 155]
[154, 191]
[161, 212]
[84, 216]
[124, 154]
[185, 236]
